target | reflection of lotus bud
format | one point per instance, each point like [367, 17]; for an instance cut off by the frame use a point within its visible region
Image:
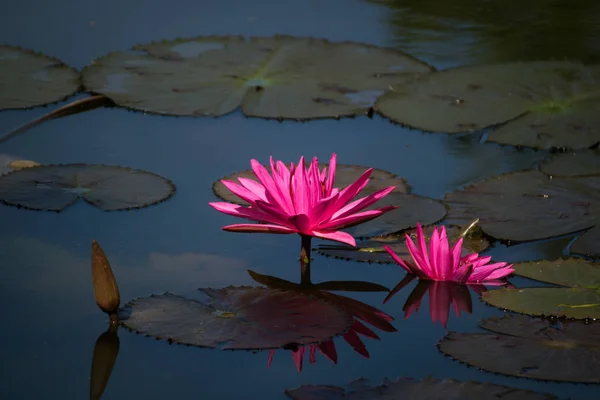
[106, 290]
[105, 355]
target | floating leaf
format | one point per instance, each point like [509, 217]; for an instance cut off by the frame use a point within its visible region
[110, 188]
[237, 318]
[579, 299]
[581, 163]
[411, 389]
[32, 79]
[273, 77]
[10, 163]
[530, 205]
[527, 348]
[546, 103]
[372, 250]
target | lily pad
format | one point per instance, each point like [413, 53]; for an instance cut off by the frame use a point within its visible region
[530, 205]
[411, 389]
[581, 163]
[33, 79]
[273, 77]
[240, 317]
[544, 104]
[579, 298]
[110, 188]
[372, 250]
[520, 346]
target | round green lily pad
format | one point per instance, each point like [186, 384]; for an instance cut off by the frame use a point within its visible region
[542, 104]
[411, 389]
[273, 77]
[240, 317]
[110, 188]
[581, 163]
[579, 299]
[520, 346]
[372, 250]
[531, 205]
[32, 79]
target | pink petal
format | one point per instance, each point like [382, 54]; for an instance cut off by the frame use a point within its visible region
[300, 189]
[338, 236]
[420, 263]
[312, 356]
[351, 220]
[298, 356]
[258, 228]
[271, 354]
[248, 213]
[362, 203]
[444, 256]
[398, 260]
[359, 327]
[423, 252]
[434, 244]
[439, 302]
[353, 340]
[353, 189]
[241, 191]
[331, 176]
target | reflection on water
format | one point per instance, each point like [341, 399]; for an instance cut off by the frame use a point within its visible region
[450, 33]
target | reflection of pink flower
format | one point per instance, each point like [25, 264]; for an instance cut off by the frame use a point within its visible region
[327, 348]
[359, 311]
[443, 264]
[301, 200]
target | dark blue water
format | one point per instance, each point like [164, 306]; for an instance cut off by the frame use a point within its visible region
[50, 318]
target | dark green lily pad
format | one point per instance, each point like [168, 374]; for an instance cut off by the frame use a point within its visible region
[240, 317]
[411, 389]
[345, 175]
[530, 205]
[527, 348]
[273, 77]
[581, 163]
[546, 103]
[33, 79]
[580, 298]
[372, 250]
[110, 188]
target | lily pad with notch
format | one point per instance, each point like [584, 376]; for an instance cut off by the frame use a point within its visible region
[541, 104]
[411, 389]
[273, 77]
[531, 205]
[372, 251]
[579, 296]
[33, 79]
[530, 348]
[242, 318]
[110, 188]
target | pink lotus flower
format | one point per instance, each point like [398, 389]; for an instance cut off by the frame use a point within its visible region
[443, 264]
[301, 200]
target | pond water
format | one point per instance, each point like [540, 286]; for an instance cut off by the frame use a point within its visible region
[51, 319]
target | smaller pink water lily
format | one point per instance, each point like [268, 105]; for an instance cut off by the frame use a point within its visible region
[301, 200]
[444, 264]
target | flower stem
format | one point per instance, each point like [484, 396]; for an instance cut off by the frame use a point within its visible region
[305, 260]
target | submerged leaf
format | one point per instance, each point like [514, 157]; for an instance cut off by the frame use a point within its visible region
[546, 103]
[274, 77]
[411, 389]
[527, 348]
[372, 250]
[31, 79]
[237, 318]
[530, 205]
[110, 188]
[579, 299]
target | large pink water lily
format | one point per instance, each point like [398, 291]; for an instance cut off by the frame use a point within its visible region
[301, 200]
[444, 264]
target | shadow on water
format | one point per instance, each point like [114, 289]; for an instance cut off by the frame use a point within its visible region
[452, 33]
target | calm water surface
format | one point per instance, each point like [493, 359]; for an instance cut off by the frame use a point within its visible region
[51, 320]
